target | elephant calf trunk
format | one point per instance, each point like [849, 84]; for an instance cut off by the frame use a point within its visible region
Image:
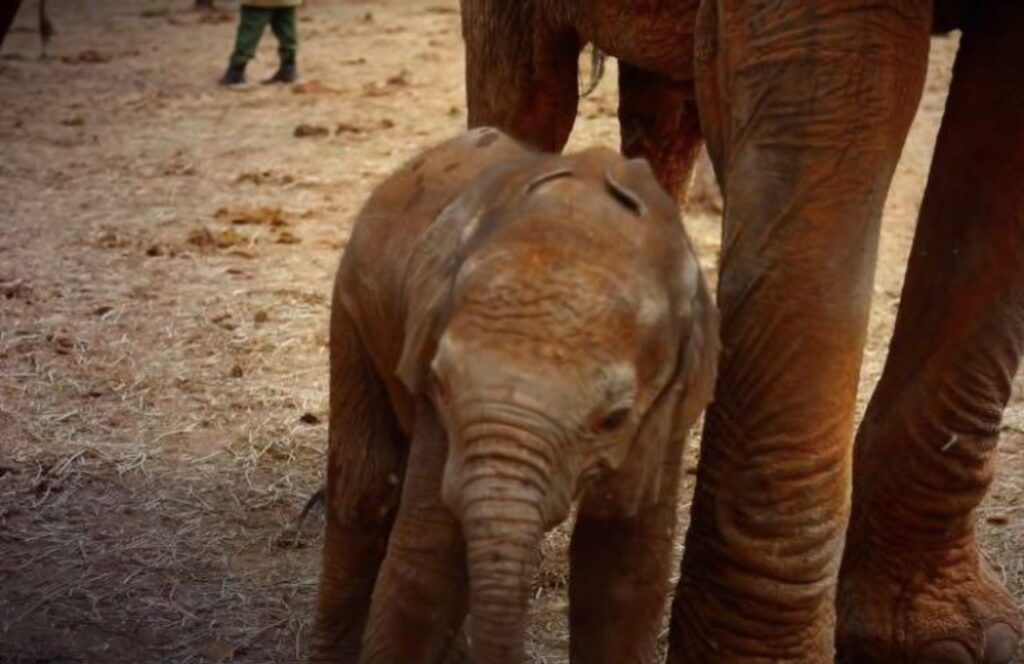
[503, 536]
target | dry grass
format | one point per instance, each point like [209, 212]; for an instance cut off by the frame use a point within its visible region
[149, 491]
[165, 261]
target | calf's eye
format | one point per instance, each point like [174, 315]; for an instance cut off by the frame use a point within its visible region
[614, 420]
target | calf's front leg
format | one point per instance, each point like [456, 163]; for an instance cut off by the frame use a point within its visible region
[619, 578]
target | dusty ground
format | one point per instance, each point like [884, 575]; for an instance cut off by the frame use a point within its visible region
[166, 251]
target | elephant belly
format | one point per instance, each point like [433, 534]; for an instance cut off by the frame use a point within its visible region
[656, 35]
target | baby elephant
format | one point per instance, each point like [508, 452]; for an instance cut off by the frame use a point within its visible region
[511, 332]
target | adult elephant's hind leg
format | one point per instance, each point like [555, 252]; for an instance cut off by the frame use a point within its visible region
[521, 71]
[659, 122]
[805, 106]
[914, 587]
[365, 461]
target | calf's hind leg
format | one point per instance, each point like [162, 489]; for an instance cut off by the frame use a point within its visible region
[365, 464]
[913, 586]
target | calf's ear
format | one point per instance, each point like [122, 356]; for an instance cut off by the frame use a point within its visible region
[654, 460]
[427, 290]
[700, 358]
[634, 185]
[452, 237]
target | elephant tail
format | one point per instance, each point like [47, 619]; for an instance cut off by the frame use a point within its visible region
[597, 58]
[292, 538]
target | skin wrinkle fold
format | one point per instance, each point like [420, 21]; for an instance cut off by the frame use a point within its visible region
[409, 564]
[774, 314]
[788, 631]
[556, 505]
[514, 460]
[500, 572]
[788, 635]
[802, 576]
[511, 479]
[943, 468]
[554, 429]
[769, 615]
[794, 567]
[790, 452]
[530, 425]
[827, 420]
[525, 456]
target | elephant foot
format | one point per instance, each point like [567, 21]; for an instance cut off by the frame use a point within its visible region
[939, 609]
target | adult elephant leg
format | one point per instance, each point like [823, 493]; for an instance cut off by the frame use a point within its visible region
[658, 119]
[521, 71]
[365, 461]
[805, 105]
[913, 586]
[619, 580]
[421, 595]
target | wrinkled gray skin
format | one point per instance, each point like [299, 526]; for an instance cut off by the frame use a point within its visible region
[512, 332]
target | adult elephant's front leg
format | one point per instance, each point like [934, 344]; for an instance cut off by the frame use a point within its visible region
[805, 106]
[914, 587]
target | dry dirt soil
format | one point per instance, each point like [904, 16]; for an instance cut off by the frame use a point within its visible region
[166, 254]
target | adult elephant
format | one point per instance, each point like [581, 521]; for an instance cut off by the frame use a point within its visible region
[805, 105]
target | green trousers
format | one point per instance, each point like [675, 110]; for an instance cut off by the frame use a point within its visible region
[252, 22]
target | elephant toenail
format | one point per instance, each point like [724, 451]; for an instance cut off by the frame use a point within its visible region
[945, 652]
[1001, 643]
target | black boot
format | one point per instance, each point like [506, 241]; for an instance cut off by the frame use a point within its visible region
[235, 75]
[286, 73]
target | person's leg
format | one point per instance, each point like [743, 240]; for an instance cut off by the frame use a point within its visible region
[283, 25]
[251, 23]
